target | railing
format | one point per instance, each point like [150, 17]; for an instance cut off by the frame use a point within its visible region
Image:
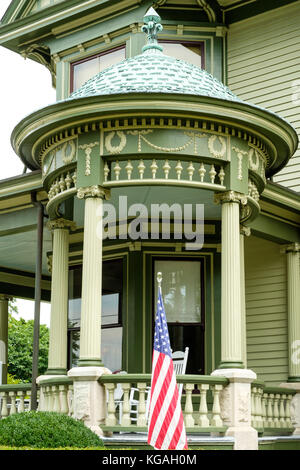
[14, 399]
[271, 409]
[200, 402]
[56, 394]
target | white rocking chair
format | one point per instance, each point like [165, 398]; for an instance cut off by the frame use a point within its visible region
[179, 363]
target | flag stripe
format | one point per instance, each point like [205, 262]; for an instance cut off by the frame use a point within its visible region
[166, 428]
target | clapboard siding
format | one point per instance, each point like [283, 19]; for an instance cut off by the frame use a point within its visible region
[263, 62]
[266, 310]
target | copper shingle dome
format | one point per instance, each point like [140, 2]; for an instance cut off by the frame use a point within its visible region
[154, 72]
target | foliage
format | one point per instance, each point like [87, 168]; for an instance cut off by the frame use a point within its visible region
[36, 429]
[11, 380]
[20, 347]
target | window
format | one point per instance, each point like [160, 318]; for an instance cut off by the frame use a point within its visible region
[84, 69]
[182, 292]
[111, 323]
[192, 52]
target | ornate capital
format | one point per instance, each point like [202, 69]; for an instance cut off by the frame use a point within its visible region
[61, 224]
[246, 231]
[93, 191]
[6, 297]
[292, 248]
[230, 196]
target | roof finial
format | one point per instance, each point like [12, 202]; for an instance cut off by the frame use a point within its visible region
[152, 26]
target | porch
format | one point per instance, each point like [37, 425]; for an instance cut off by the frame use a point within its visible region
[206, 403]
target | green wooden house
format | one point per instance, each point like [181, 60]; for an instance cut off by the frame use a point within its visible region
[172, 148]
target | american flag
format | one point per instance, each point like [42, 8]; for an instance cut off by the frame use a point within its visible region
[166, 428]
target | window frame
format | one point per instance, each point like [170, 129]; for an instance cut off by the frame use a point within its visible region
[88, 58]
[200, 44]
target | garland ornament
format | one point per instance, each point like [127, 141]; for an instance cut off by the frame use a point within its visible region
[114, 149]
[217, 153]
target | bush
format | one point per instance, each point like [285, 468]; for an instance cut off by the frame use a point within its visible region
[46, 430]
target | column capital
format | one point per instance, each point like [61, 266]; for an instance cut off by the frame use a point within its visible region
[246, 231]
[6, 297]
[93, 191]
[292, 248]
[230, 196]
[61, 224]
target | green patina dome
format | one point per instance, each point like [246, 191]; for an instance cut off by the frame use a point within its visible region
[154, 72]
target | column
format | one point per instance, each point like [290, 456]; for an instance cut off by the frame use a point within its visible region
[57, 360]
[90, 326]
[4, 299]
[235, 399]
[231, 305]
[244, 231]
[293, 288]
[293, 303]
[89, 399]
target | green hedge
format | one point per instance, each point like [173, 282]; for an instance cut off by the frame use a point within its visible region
[46, 430]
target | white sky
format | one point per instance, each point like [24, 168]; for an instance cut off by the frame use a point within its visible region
[25, 86]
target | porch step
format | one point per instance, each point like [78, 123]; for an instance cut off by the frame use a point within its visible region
[139, 441]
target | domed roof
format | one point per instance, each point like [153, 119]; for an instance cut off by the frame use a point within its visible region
[154, 72]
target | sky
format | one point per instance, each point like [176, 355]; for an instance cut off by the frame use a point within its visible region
[25, 86]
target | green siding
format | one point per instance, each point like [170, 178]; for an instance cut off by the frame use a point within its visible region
[266, 305]
[263, 68]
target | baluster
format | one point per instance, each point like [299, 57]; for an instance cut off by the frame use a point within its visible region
[62, 184]
[74, 177]
[202, 172]
[141, 420]
[13, 408]
[64, 408]
[188, 409]
[154, 168]
[288, 411]
[29, 395]
[117, 170]
[253, 404]
[106, 171]
[129, 169]
[111, 419]
[178, 169]
[276, 410]
[126, 405]
[221, 175]
[68, 180]
[259, 408]
[216, 410]
[70, 400]
[46, 405]
[141, 168]
[56, 186]
[264, 409]
[282, 411]
[270, 410]
[21, 404]
[212, 174]
[56, 403]
[4, 408]
[166, 169]
[190, 170]
[203, 410]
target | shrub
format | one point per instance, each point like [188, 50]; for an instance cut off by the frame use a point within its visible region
[46, 430]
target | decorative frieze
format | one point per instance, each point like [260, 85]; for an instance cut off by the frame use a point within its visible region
[92, 191]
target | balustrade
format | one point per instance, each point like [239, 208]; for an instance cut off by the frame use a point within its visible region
[271, 409]
[57, 395]
[200, 402]
[14, 399]
[171, 172]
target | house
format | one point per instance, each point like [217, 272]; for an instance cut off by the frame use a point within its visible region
[172, 148]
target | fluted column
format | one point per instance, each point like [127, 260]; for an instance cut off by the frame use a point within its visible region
[90, 326]
[244, 231]
[4, 299]
[231, 299]
[57, 359]
[293, 282]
